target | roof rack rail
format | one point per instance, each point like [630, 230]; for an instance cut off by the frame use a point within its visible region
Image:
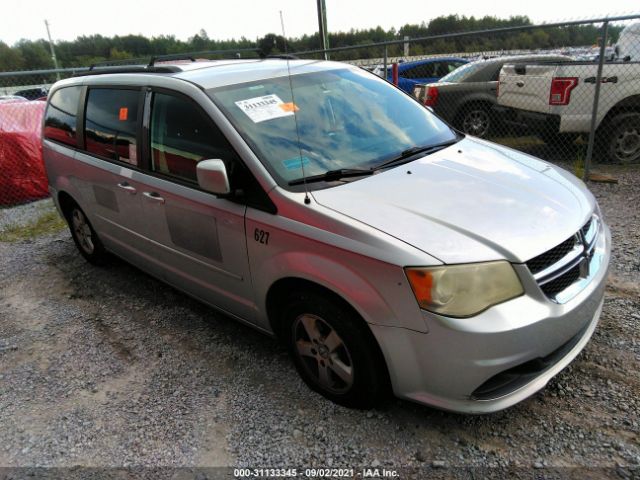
[128, 69]
[167, 58]
[119, 62]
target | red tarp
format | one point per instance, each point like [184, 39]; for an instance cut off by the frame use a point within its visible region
[22, 174]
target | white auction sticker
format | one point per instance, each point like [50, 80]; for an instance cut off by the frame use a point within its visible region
[267, 107]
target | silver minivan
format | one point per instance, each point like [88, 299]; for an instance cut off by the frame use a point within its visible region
[318, 203]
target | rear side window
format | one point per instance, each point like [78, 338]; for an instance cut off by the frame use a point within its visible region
[426, 70]
[111, 122]
[60, 119]
[181, 136]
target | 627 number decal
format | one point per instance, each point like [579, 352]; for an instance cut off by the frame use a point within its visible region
[261, 236]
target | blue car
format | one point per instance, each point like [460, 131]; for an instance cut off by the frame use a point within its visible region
[424, 71]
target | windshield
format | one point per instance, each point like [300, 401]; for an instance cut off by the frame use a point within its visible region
[460, 74]
[346, 119]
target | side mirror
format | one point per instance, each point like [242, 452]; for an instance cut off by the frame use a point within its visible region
[212, 176]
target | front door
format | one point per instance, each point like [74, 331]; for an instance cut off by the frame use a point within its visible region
[196, 238]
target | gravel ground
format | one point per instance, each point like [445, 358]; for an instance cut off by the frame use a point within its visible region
[107, 367]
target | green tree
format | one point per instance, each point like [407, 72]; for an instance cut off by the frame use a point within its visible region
[10, 58]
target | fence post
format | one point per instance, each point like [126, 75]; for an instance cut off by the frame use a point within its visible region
[596, 99]
[384, 73]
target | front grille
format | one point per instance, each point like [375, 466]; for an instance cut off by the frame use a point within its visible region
[557, 285]
[548, 258]
[557, 269]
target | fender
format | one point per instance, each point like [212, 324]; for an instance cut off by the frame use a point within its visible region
[343, 281]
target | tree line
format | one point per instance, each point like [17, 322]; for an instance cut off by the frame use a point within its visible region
[92, 49]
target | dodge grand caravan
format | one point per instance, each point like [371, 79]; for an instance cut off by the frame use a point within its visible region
[318, 203]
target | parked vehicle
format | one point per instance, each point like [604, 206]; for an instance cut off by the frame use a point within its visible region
[556, 100]
[422, 71]
[379, 245]
[32, 93]
[465, 97]
[11, 99]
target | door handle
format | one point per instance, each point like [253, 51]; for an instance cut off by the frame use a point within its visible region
[154, 197]
[127, 187]
[520, 83]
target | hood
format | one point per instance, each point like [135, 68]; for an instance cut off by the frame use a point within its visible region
[473, 201]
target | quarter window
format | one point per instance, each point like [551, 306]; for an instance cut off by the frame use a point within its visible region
[111, 124]
[425, 70]
[60, 119]
[182, 136]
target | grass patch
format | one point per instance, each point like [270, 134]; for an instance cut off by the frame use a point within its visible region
[578, 164]
[47, 222]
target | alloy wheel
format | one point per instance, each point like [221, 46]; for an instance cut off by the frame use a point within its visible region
[323, 353]
[476, 123]
[82, 231]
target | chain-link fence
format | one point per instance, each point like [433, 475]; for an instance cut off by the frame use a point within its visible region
[22, 105]
[566, 92]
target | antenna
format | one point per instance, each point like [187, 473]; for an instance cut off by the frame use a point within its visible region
[307, 199]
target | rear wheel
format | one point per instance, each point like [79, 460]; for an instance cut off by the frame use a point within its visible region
[84, 236]
[476, 120]
[333, 350]
[620, 138]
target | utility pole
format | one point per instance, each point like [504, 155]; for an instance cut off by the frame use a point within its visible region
[322, 27]
[53, 52]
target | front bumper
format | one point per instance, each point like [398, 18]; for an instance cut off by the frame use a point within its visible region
[457, 358]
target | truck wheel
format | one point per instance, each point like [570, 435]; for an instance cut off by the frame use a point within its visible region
[84, 236]
[476, 120]
[333, 350]
[621, 138]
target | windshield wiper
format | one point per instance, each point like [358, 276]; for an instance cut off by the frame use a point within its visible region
[333, 175]
[409, 153]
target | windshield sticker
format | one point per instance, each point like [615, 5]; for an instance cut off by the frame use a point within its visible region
[296, 163]
[267, 107]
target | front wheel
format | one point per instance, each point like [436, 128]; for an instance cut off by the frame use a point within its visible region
[620, 139]
[333, 350]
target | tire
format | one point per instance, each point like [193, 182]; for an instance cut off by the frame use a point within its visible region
[475, 120]
[333, 350]
[84, 236]
[619, 139]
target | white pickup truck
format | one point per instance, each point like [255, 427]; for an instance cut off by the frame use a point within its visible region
[556, 99]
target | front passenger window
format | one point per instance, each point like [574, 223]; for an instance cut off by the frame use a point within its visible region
[182, 136]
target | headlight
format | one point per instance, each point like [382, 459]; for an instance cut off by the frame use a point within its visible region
[464, 290]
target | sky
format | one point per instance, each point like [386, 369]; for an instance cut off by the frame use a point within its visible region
[235, 18]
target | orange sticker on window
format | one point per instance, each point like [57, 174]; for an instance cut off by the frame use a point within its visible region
[289, 107]
[124, 113]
